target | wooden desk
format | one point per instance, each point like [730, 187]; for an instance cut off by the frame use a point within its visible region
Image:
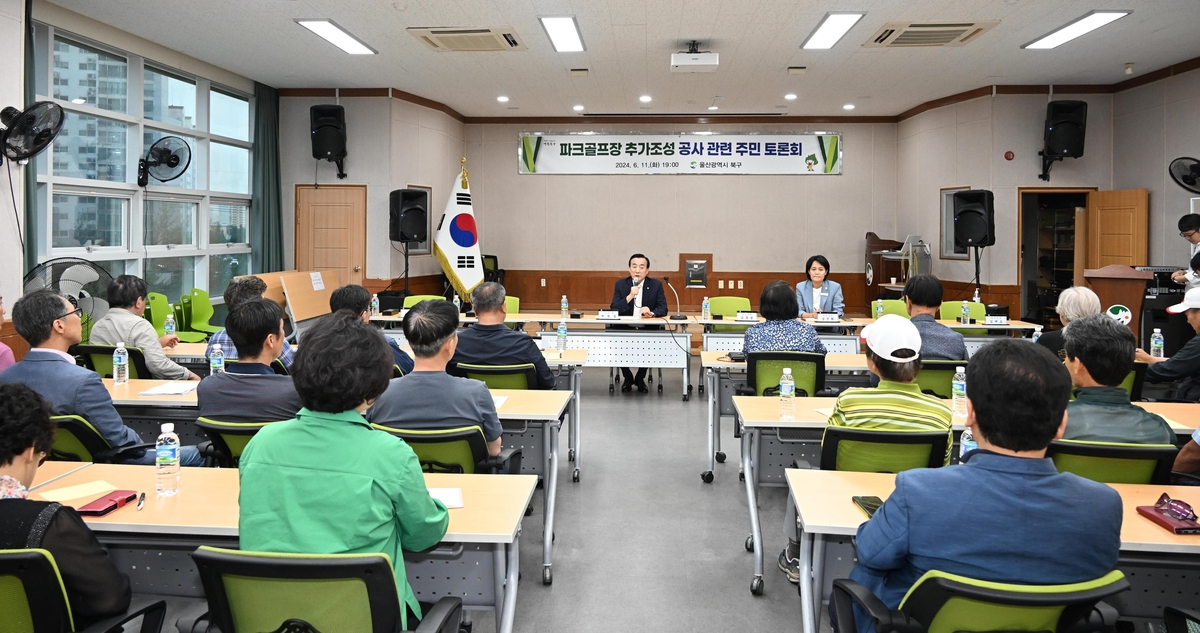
[187, 352]
[833, 362]
[1182, 416]
[169, 528]
[670, 347]
[532, 404]
[50, 472]
[824, 508]
[129, 394]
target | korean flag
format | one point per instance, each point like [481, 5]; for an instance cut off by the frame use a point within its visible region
[457, 241]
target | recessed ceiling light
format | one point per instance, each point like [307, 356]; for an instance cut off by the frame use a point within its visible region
[502, 99]
[848, 106]
[790, 96]
[712, 107]
[1076, 28]
[79, 101]
[644, 98]
[336, 35]
[833, 26]
[578, 108]
[563, 32]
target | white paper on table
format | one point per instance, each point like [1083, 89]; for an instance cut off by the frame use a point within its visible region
[499, 401]
[450, 497]
[90, 489]
[173, 388]
[317, 282]
[827, 412]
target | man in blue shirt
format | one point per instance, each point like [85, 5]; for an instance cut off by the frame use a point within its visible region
[923, 299]
[239, 290]
[357, 299]
[1007, 514]
[490, 342]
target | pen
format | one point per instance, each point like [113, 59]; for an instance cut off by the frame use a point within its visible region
[141, 500]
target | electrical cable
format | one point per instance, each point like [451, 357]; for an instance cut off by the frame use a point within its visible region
[16, 215]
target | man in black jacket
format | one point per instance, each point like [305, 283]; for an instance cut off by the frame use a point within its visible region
[95, 589]
[638, 295]
[491, 342]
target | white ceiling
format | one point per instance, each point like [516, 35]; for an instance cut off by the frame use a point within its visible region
[629, 43]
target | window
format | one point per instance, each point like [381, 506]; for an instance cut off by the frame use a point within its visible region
[229, 115]
[92, 148]
[169, 223]
[230, 168]
[229, 223]
[188, 179]
[88, 64]
[172, 276]
[117, 267]
[223, 268]
[88, 221]
[169, 99]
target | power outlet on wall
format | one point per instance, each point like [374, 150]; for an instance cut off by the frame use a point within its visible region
[730, 284]
[543, 283]
[739, 284]
[720, 284]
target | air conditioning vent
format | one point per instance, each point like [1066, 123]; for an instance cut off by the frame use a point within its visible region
[471, 40]
[910, 34]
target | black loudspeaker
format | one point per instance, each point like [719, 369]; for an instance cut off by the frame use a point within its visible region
[328, 131]
[1066, 123]
[974, 218]
[409, 208]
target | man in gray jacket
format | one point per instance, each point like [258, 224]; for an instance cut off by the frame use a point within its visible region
[124, 324]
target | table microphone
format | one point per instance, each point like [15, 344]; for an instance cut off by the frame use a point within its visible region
[679, 315]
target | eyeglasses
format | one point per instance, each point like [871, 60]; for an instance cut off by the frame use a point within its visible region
[75, 311]
[1187, 234]
[43, 459]
[1175, 508]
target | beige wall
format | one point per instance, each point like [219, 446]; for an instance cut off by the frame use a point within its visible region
[749, 223]
[1153, 125]
[12, 92]
[964, 144]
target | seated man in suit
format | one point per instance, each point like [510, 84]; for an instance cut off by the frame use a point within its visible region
[239, 290]
[95, 589]
[429, 398]
[51, 325]
[249, 390]
[1099, 357]
[357, 299]
[641, 296]
[124, 324]
[1006, 515]
[923, 299]
[490, 342]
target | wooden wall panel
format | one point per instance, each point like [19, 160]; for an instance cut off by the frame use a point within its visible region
[423, 285]
[9, 336]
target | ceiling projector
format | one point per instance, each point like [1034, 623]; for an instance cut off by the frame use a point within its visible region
[694, 62]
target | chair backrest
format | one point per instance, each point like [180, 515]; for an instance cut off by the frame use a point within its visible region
[202, 308]
[728, 308]
[413, 300]
[936, 376]
[1113, 462]
[1134, 381]
[230, 438]
[279, 368]
[157, 308]
[32, 596]
[98, 358]
[183, 314]
[523, 376]
[875, 451]
[946, 603]
[491, 263]
[86, 322]
[250, 592]
[952, 311]
[890, 306]
[76, 440]
[512, 304]
[763, 370]
[456, 450]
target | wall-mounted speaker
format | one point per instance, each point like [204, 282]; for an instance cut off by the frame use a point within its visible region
[1066, 125]
[974, 218]
[328, 123]
[408, 215]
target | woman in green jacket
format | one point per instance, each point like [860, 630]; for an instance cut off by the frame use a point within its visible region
[326, 482]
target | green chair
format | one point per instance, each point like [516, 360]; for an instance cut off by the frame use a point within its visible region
[512, 305]
[763, 370]
[98, 358]
[229, 439]
[936, 376]
[157, 309]
[183, 327]
[86, 322]
[873, 451]
[1134, 381]
[397, 372]
[1113, 462]
[253, 592]
[459, 450]
[34, 600]
[523, 376]
[946, 603]
[413, 300]
[201, 312]
[890, 306]
[491, 269]
[728, 307]
[76, 440]
[952, 311]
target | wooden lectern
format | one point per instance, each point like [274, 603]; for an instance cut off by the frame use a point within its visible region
[1120, 284]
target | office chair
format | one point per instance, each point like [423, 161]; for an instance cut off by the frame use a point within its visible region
[728, 307]
[183, 322]
[936, 376]
[251, 592]
[512, 305]
[1114, 462]
[873, 451]
[157, 309]
[76, 440]
[228, 439]
[1181, 620]
[890, 306]
[98, 358]
[945, 603]
[763, 370]
[413, 300]
[458, 450]
[952, 311]
[34, 600]
[201, 311]
[523, 376]
[492, 270]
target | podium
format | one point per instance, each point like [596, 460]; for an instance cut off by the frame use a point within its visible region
[1120, 284]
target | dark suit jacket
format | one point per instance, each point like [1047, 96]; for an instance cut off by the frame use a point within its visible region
[499, 345]
[71, 390]
[652, 297]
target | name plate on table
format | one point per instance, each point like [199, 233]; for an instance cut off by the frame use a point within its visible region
[995, 320]
[747, 316]
[608, 314]
[828, 317]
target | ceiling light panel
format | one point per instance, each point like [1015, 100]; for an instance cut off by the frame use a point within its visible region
[832, 28]
[563, 32]
[1077, 28]
[329, 31]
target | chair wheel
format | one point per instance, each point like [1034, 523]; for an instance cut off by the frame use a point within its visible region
[547, 576]
[575, 476]
[612, 388]
[720, 457]
[570, 454]
[685, 397]
[660, 387]
[707, 476]
[756, 586]
[690, 389]
[742, 476]
[750, 543]
[701, 389]
[465, 627]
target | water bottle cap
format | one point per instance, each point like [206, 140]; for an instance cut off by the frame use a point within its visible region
[168, 427]
[960, 369]
[120, 345]
[216, 347]
[787, 371]
[1157, 331]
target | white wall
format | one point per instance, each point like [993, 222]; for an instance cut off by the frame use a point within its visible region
[12, 92]
[1152, 125]
[749, 223]
[964, 144]
[391, 144]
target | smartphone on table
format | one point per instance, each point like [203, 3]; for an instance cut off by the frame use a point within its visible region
[867, 504]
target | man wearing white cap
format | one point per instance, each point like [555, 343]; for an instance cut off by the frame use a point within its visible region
[1185, 366]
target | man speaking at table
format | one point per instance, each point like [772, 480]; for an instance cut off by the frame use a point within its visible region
[638, 295]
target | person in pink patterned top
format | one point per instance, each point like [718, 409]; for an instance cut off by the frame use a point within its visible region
[6, 354]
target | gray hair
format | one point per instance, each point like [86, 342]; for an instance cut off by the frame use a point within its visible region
[1077, 302]
[487, 297]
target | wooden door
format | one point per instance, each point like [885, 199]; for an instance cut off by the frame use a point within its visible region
[331, 230]
[1081, 245]
[1118, 228]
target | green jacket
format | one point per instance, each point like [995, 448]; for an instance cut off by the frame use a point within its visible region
[1105, 414]
[327, 483]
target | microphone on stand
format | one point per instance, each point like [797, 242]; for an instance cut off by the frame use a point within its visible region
[679, 315]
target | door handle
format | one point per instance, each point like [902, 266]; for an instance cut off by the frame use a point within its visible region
[357, 269]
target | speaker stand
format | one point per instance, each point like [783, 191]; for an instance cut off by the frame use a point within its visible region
[978, 252]
[1047, 163]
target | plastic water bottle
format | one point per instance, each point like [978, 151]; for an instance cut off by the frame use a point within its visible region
[562, 336]
[958, 395]
[787, 395]
[120, 365]
[374, 305]
[705, 312]
[564, 307]
[1156, 343]
[965, 319]
[216, 362]
[879, 308]
[166, 461]
[1036, 335]
[966, 443]
[457, 303]
[169, 325]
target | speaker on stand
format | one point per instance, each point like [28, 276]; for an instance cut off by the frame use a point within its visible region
[408, 223]
[974, 224]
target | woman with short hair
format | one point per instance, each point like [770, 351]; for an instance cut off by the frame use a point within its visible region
[782, 331]
[1075, 302]
[819, 293]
